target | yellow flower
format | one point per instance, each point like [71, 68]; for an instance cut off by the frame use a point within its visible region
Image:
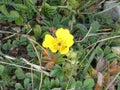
[62, 42]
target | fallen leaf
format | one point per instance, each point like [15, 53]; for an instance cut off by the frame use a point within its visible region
[114, 67]
[100, 79]
[97, 87]
[116, 50]
[102, 63]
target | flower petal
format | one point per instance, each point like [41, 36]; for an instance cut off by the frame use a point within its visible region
[53, 49]
[64, 50]
[60, 33]
[69, 41]
[48, 42]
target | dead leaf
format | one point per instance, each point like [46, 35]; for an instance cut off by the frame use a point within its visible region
[114, 67]
[102, 63]
[116, 50]
[50, 65]
[100, 79]
[97, 87]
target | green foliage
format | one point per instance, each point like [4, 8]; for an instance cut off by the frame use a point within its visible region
[89, 84]
[23, 26]
[74, 3]
[21, 7]
[1, 69]
[49, 11]
[58, 72]
[7, 45]
[37, 30]
[18, 86]
[19, 73]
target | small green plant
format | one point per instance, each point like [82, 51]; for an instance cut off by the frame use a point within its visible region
[59, 45]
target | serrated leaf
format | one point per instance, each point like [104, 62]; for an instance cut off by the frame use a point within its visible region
[32, 54]
[4, 10]
[81, 29]
[1, 69]
[19, 73]
[20, 7]
[89, 83]
[53, 72]
[95, 26]
[14, 14]
[99, 51]
[19, 21]
[107, 50]
[47, 82]
[79, 84]
[37, 30]
[111, 56]
[73, 3]
[26, 82]
[18, 86]
[49, 11]
[23, 41]
[2, 18]
[60, 75]
[7, 45]
[55, 83]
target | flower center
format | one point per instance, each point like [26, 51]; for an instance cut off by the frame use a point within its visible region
[59, 44]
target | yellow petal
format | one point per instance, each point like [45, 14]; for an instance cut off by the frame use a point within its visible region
[48, 42]
[53, 49]
[64, 50]
[60, 33]
[69, 41]
[65, 35]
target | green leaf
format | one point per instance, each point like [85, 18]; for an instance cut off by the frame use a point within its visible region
[1, 69]
[23, 41]
[20, 7]
[26, 82]
[19, 73]
[118, 86]
[4, 10]
[14, 14]
[55, 83]
[2, 18]
[49, 11]
[99, 51]
[60, 74]
[30, 4]
[73, 3]
[79, 84]
[95, 26]
[18, 86]
[111, 56]
[107, 50]
[19, 21]
[81, 29]
[32, 54]
[72, 83]
[37, 30]
[53, 72]
[7, 45]
[47, 82]
[28, 75]
[89, 83]
[60, 59]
